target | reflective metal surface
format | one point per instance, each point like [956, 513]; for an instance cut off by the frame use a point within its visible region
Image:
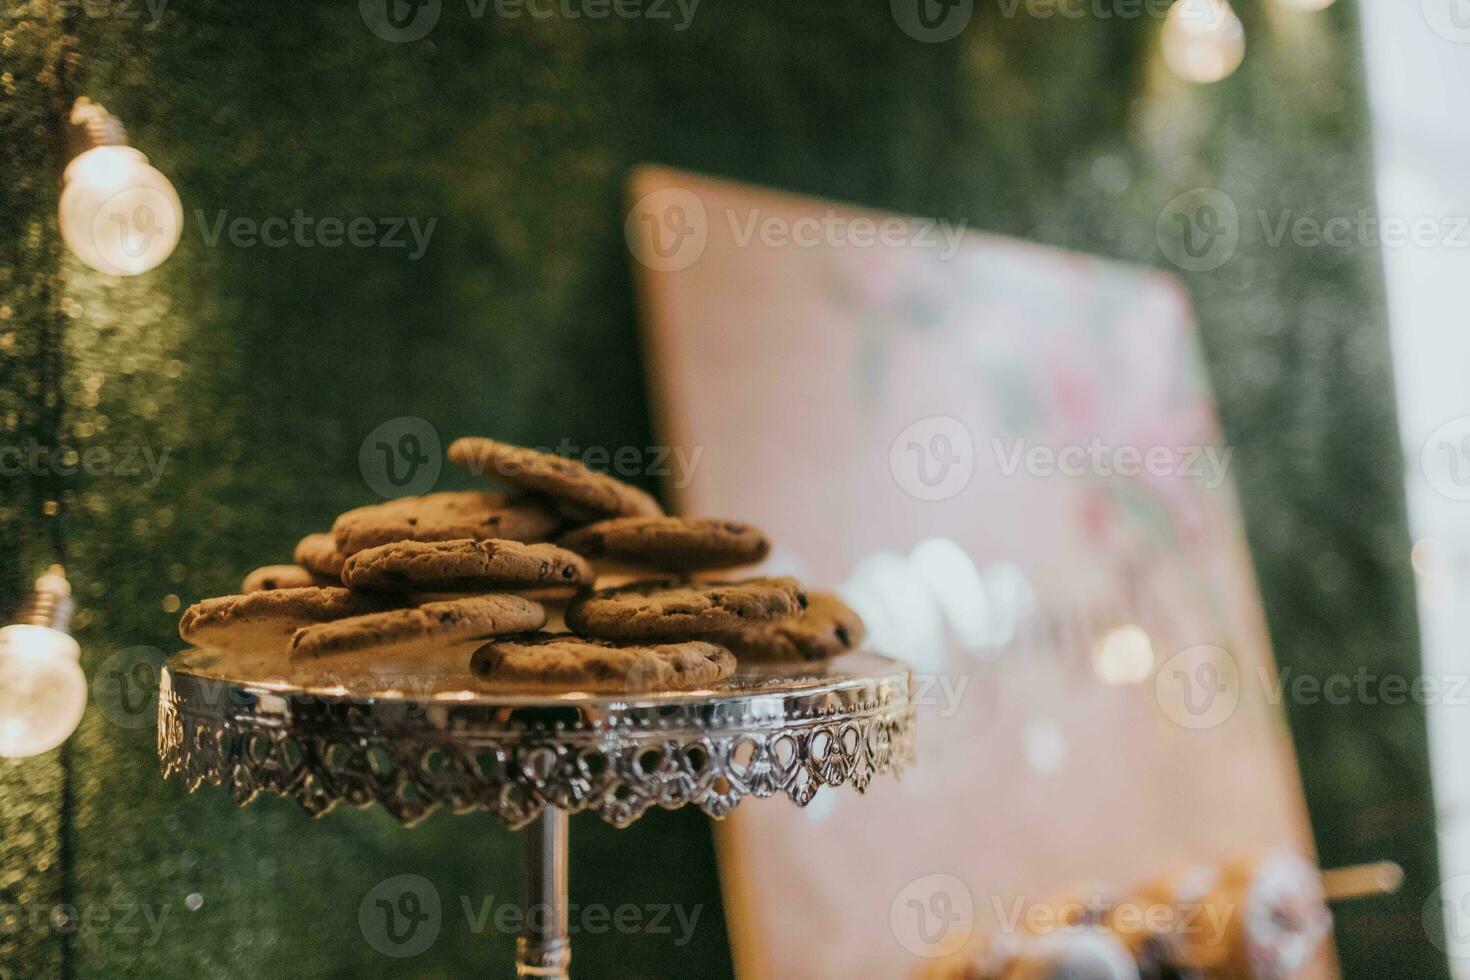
[418, 734]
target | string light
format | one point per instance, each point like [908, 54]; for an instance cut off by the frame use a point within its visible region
[43, 691]
[1203, 40]
[117, 212]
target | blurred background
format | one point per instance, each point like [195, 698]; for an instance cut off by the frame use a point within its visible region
[505, 136]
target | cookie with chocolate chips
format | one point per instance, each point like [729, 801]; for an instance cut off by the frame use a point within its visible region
[675, 544]
[465, 565]
[672, 610]
[318, 553]
[282, 577]
[582, 491]
[266, 620]
[827, 628]
[575, 663]
[445, 516]
[429, 626]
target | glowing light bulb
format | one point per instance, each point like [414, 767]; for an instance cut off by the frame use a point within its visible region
[1203, 40]
[117, 212]
[43, 691]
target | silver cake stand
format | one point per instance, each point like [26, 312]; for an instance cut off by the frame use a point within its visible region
[423, 733]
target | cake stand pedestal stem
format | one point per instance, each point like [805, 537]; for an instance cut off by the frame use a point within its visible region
[544, 948]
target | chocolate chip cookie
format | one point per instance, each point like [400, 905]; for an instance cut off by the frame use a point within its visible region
[585, 491]
[568, 662]
[662, 610]
[318, 553]
[826, 629]
[266, 620]
[465, 565]
[445, 516]
[282, 577]
[432, 625]
[675, 544]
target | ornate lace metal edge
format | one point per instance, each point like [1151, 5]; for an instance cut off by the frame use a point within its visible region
[617, 776]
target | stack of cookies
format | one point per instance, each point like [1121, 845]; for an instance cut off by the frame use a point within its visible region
[475, 574]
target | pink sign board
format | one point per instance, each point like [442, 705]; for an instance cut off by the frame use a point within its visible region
[1007, 458]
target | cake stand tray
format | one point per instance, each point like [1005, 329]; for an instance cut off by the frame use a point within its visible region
[423, 732]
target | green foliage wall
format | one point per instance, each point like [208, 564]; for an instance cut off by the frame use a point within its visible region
[259, 370]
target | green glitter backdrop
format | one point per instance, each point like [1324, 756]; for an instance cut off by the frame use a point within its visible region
[259, 371]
